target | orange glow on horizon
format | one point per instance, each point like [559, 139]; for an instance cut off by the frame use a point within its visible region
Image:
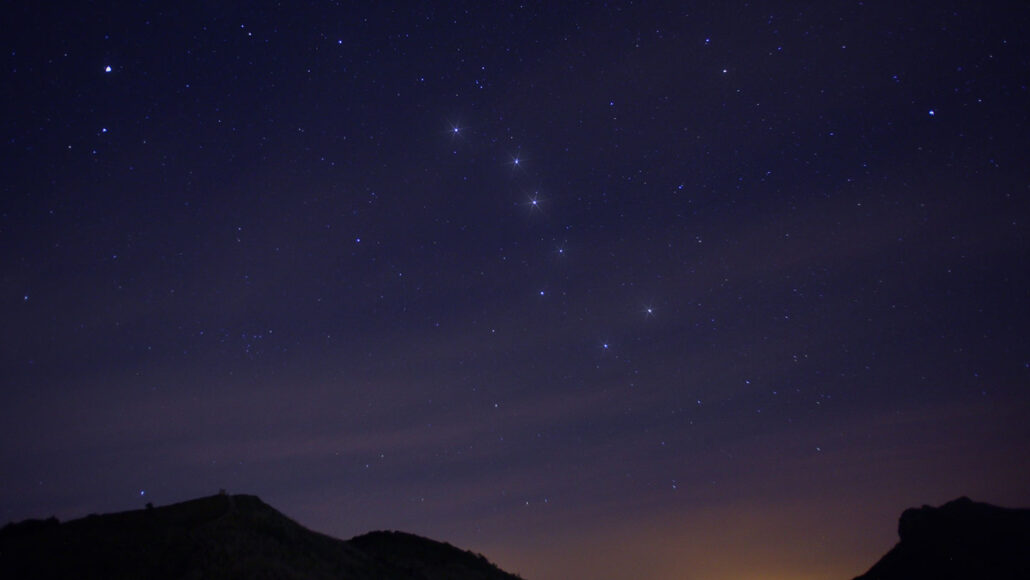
[772, 542]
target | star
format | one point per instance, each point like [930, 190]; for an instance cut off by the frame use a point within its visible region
[107, 69]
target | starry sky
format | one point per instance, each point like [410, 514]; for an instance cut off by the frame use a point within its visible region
[612, 290]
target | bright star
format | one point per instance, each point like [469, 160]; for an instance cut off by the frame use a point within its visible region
[534, 202]
[107, 69]
[516, 159]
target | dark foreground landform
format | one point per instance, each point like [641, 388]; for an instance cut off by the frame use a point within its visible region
[223, 536]
[962, 539]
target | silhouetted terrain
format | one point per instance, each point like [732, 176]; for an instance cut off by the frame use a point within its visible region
[223, 536]
[961, 539]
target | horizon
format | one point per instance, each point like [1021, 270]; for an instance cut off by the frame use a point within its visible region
[562, 560]
[719, 289]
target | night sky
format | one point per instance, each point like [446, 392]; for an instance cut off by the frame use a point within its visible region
[601, 290]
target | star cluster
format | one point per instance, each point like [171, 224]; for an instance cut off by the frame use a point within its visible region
[529, 278]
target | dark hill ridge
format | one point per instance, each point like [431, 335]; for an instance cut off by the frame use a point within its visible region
[962, 539]
[223, 536]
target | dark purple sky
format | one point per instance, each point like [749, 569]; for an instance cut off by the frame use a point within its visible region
[615, 290]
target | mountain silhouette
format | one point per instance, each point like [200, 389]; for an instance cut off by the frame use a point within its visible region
[962, 539]
[223, 536]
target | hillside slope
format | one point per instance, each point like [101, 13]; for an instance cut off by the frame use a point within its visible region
[961, 539]
[223, 536]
